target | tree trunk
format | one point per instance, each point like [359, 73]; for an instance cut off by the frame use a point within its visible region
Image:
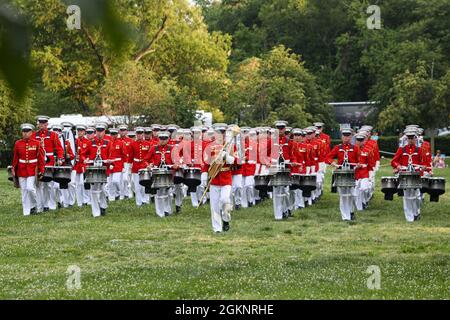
[431, 132]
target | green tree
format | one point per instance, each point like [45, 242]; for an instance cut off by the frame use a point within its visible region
[417, 98]
[276, 86]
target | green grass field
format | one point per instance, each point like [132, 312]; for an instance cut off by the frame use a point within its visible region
[133, 254]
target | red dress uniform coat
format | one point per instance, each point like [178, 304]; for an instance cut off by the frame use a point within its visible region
[82, 145]
[117, 155]
[372, 144]
[96, 144]
[159, 153]
[299, 154]
[189, 152]
[224, 177]
[127, 141]
[402, 155]
[425, 155]
[326, 141]
[315, 154]
[283, 142]
[69, 152]
[249, 165]
[339, 151]
[264, 154]
[52, 145]
[366, 160]
[28, 157]
[138, 151]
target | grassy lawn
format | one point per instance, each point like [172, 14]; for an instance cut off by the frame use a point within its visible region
[133, 254]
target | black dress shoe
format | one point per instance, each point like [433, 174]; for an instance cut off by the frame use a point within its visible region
[237, 207]
[46, 209]
[352, 216]
[117, 198]
[177, 209]
[250, 204]
[226, 226]
[166, 214]
[289, 212]
[59, 205]
[33, 211]
[102, 211]
[417, 217]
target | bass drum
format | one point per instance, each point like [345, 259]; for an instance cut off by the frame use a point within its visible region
[145, 178]
[308, 183]
[389, 187]
[62, 175]
[192, 178]
[261, 183]
[436, 188]
[48, 174]
[295, 181]
[178, 177]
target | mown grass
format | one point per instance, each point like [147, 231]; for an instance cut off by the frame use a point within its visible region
[133, 254]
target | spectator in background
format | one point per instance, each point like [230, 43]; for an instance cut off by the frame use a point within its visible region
[439, 160]
[375, 136]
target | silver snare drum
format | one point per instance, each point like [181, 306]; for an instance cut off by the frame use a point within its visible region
[344, 178]
[409, 180]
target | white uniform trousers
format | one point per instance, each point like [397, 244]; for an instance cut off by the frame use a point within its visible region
[46, 196]
[411, 203]
[220, 202]
[299, 200]
[125, 187]
[197, 195]
[138, 190]
[346, 201]
[237, 189]
[310, 170]
[372, 179]
[82, 194]
[202, 187]
[163, 202]
[114, 185]
[28, 190]
[194, 199]
[362, 192]
[280, 201]
[177, 193]
[98, 198]
[248, 191]
[71, 191]
[319, 180]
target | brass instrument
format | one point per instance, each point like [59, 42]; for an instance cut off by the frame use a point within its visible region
[217, 164]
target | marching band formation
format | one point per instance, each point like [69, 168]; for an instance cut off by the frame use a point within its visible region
[227, 166]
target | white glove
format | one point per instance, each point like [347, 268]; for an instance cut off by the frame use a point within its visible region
[229, 159]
